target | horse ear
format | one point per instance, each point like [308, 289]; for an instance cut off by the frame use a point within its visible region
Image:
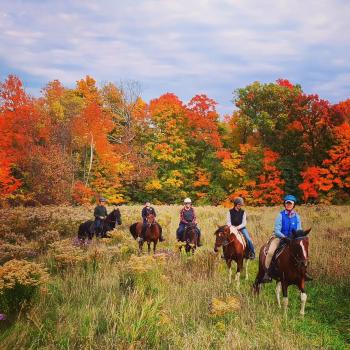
[306, 232]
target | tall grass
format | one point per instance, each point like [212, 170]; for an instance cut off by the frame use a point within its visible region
[114, 300]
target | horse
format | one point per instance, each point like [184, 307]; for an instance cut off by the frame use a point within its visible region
[288, 268]
[190, 238]
[152, 234]
[87, 230]
[234, 248]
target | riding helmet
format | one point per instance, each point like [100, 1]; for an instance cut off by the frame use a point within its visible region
[187, 200]
[238, 200]
[290, 198]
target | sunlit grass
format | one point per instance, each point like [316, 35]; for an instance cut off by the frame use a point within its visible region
[110, 298]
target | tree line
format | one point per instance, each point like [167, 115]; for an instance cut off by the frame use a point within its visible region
[71, 145]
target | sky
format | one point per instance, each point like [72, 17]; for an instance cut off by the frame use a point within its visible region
[185, 47]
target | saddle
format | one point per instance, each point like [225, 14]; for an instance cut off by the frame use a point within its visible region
[239, 235]
[276, 254]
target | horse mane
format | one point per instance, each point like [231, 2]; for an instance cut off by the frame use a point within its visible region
[220, 229]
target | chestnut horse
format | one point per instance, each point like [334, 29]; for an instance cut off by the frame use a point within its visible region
[234, 248]
[289, 268]
[152, 233]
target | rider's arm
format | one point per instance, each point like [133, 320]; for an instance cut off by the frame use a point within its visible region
[228, 222]
[298, 222]
[96, 214]
[194, 216]
[182, 219]
[244, 222]
[278, 227]
[154, 212]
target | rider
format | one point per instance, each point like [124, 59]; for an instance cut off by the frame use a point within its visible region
[100, 214]
[187, 216]
[236, 217]
[147, 210]
[286, 222]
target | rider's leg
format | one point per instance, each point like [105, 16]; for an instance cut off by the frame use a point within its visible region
[143, 230]
[180, 232]
[249, 241]
[271, 251]
[97, 226]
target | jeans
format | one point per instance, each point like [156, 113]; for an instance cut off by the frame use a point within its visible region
[249, 240]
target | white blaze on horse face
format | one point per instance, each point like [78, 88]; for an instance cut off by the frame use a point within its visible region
[304, 250]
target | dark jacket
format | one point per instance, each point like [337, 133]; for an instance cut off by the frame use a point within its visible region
[146, 211]
[100, 210]
[187, 216]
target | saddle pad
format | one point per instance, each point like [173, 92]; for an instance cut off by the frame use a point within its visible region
[239, 236]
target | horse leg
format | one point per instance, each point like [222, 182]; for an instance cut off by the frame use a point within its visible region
[278, 292]
[149, 247]
[239, 268]
[154, 247]
[140, 247]
[246, 270]
[285, 296]
[303, 297]
[229, 265]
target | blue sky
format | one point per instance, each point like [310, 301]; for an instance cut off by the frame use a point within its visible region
[184, 47]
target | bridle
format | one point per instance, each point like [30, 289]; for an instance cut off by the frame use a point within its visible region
[299, 263]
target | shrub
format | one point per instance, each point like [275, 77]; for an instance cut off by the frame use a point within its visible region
[19, 282]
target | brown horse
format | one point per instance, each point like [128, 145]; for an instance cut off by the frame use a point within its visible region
[234, 248]
[190, 238]
[152, 233]
[289, 268]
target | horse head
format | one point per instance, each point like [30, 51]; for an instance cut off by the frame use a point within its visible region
[299, 246]
[222, 237]
[150, 219]
[114, 217]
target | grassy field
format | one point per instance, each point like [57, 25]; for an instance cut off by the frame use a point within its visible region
[106, 297]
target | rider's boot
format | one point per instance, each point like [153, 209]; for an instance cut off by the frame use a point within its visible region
[199, 244]
[251, 255]
[161, 238]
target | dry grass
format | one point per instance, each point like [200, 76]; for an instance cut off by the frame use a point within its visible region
[104, 296]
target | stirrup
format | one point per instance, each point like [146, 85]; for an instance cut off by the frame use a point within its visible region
[251, 256]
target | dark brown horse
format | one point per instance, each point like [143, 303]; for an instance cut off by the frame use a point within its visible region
[288, 268]
[190, 238]
[234, 248]
[152, 233]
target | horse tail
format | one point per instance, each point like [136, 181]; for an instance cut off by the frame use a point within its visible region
[81, 231]
[119, 217]
[133, 230]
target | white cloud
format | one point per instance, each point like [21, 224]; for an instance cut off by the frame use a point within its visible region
[215, 46]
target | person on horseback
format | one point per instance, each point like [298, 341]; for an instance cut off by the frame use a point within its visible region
[147, 210]
[286, 222]
[100, 214]
[187, 216]
[237, 218]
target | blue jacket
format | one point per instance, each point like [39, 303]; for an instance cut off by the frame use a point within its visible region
[284, 224]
